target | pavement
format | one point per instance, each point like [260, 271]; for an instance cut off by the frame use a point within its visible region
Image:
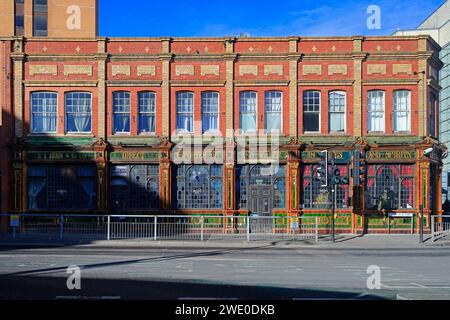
[283, 270]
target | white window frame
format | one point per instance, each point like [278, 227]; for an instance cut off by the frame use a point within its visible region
[281, 112]
[211, 131]
[240, 112]
[31, 113]
[370, 111]
[124, 133]
[330, 112]
[396, 104]
[66, 113]
[320, 110]
[139, 113]
[184, 131]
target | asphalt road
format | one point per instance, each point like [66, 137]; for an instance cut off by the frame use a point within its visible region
[260, 272]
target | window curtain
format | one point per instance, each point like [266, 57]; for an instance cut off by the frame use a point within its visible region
[248, 122]
[185, 122]
[147, 123]
[210, 122]
[122, 123]
[34, 188]
[274, 121]
[337, 122]
[89, 187]
[83, 118]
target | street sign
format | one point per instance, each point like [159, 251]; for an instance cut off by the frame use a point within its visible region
[14, 221]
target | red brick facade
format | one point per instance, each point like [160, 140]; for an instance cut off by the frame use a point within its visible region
[166, 66]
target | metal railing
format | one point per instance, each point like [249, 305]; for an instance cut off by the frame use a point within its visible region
[440, 228]
[200, 228]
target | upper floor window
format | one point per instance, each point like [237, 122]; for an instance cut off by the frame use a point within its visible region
[44, 112]
[40, 18]
[78, 112]
[375, 111]
[402, 111]
[19, 17]
[337, 106]
[248, 105]
[121, 110]
[147, 112]
[432, 114]
[311, 111]
[273, 107]
[210, 111]
[185, 112]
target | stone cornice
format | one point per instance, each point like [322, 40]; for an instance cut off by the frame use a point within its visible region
[133, 83]
[197, 83]
[313, 83]
[390, 82]
[252, 83]
[61, 83]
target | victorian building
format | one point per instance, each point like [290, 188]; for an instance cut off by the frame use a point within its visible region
[220, 126]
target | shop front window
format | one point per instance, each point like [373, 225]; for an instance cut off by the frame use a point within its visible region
[52, 187]
[198, 187]
[392, 182]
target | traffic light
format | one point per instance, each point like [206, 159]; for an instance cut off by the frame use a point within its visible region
[322, 170]
[359, 168]
[337, 179]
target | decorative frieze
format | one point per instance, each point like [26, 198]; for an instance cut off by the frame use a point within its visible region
[248, 70]
[337, 69]
[312, 69]
[77, 70]
[146, 71]
[402, 68]
[376, 69]
[273, 69]
[121, 70]
[44, 69]
[184, 70]
[210, 70]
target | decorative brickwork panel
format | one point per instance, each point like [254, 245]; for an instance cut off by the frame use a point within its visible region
[50, 70]
[376, 69]
[402, 68]
[273, 69]
[337, 69]
[70, 70]
[312, 69]
[121, 70]
[210, 70]
[146, 70]
[248, 70]
[184, 70]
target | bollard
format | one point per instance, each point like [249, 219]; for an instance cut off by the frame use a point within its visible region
[109, 228]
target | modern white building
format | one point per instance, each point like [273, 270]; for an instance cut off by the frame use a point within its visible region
[438, 26]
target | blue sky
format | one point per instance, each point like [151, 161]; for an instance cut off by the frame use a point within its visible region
[203, 18]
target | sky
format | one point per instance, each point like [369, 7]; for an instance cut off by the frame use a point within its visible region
[214, 18]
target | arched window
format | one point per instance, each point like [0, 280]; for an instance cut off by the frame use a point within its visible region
[337, 107]
[311, 111]
[44, 112]
[402, 111]
[273, 107]
[147, 112]
[210, 111]
[78, 112]
[248, 105]
[376, 111]
[121, 111]
[185, 112]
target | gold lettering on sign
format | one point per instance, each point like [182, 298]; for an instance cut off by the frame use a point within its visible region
[184, 70]
[389, 155]
[68, 70]
[50, 70]
[210, 70]
[312, 69]
[273, 69]
[402, 68]
[250, 70]
[146, 70]
[376, 68]
[337, 69]
[122, 70]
